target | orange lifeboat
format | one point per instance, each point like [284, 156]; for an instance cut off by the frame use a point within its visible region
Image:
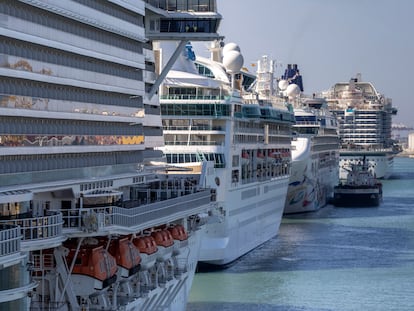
[94, 268]
[148, 250]
[178, 232]
[180, 237]
[245, 158]
[260, 157]
[126, 255]
[146, 244]
[163, 238]
[165, 243]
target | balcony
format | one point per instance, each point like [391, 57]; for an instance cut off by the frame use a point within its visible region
[38, 232]
[10, 237]
[166, 206]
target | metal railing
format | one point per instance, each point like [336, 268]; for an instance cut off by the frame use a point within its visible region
[38, 228]
[10, 237]
[136, 218]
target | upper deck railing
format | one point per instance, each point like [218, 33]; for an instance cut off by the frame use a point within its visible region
[38, 228]
[137, 217]
[10, 237]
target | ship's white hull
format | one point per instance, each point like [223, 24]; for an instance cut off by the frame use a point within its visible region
[311, 184]
[380, 163]
[251, 216]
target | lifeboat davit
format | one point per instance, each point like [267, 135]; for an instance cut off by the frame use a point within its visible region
[260, 157]
[165, 243]
[180, 237]
[126, 255]
[93, 269]
[148, 250]
[178, 232]
[245, 159]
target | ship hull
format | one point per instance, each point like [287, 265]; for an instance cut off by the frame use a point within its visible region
[313, 177]
[249, 222]
[357, 197]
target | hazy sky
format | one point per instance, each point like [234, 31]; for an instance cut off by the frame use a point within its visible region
[331, 41]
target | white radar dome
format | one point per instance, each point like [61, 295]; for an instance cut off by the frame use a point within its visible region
[292, 90]
[231, 47]
[233, 61]
[283, 84]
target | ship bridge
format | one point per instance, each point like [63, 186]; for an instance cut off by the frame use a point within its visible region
[181, 21]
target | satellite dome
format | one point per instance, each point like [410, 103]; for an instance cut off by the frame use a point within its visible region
[292, 90]
[283, 84]
[233, 61]
[231, 47]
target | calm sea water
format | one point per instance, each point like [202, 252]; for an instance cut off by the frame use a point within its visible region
[335, 259]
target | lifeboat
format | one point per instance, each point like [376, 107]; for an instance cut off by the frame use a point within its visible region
[148, 250]
[126, 255]
[245, 159]
[180, 237]
[165, 243]
[277, 156]
[178, 232]
[93, 269]
[260, 157]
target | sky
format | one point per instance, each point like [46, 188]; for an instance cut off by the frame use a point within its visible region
[331, 41]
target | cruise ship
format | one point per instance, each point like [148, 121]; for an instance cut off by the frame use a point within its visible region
[89, 217]
[365, 118]
[214, 111]
[315, 147]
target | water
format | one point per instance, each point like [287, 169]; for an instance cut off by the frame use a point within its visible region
[336, 259]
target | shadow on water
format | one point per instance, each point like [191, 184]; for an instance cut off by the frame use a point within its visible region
[227, 306]
[337, 238]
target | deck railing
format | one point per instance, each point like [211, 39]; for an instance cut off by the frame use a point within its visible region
[38, 228]
[136, 218]
[10, 237]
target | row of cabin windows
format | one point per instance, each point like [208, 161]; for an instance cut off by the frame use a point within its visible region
[64, 24]
[40, 53]
[32, 163]
[38, 89]
[114, 10]
[13, 125]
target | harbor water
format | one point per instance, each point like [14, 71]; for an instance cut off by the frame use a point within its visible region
[337, 259]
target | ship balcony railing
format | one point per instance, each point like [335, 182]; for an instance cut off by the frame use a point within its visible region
[10, 236]
[193, 128]
[140, 215]
[193, 143]
[39, 227]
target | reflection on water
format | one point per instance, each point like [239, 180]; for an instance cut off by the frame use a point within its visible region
[333, 259]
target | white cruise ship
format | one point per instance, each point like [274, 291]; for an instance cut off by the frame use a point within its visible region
[365, 118]
[89, 220]
[315, 148]
[209, 114]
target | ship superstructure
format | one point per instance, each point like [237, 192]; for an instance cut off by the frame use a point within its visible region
[89, 218]
[315, 147]
[212, 112]
[365, 118]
